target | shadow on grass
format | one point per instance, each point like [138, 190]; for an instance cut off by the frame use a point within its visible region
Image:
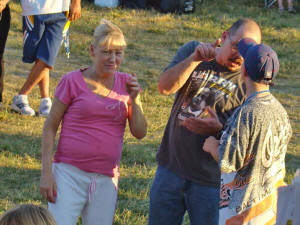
[133, 200]
[138, 164]
[29, 146]
[19, 185]
[134, 189]
[139, 154]
[292, 162]
[20, 145]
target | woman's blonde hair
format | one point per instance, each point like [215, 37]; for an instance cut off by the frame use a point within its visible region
[108, 35]
[27, 214]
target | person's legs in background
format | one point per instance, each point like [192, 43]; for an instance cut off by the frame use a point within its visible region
[4, 28]
[42, 41]
[39, 74]
[53, 37]
[45, 102]
[290, 6]
[280, 6]
[1, 82]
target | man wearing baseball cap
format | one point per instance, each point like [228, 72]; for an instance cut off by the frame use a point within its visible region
[253, 145]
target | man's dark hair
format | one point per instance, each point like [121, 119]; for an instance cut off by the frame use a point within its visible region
[240, 23]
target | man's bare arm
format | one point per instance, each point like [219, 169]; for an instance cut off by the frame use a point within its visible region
[175, 77]
[3, 4]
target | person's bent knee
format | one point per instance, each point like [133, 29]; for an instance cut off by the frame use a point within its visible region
[41, 63]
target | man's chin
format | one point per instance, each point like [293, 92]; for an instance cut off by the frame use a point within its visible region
[233, 69]
[234, 66]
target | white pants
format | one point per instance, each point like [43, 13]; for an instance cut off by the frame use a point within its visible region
[91, 195]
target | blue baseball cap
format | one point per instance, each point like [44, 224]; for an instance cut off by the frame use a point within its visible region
[260, 60]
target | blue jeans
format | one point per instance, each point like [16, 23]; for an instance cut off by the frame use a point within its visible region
[171, 196]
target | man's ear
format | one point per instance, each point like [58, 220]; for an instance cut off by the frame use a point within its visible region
[92, 50]
[224, 36]
[244, 72]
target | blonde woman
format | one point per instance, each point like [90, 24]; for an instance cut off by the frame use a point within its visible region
[92, 104]
[27, 214]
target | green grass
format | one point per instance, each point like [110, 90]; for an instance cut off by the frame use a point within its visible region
[153, 39]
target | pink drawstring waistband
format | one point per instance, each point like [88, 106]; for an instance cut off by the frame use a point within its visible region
[92, 187]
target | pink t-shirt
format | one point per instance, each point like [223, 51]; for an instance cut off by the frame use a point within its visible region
[92, 130]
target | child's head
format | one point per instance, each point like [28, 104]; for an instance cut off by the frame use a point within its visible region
[260, 61]
[27, 214]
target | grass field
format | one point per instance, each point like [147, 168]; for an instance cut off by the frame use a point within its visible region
[153, 39]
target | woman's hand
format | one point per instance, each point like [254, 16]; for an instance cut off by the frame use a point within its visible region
[133, 87]
[48, 187]
[136, 118]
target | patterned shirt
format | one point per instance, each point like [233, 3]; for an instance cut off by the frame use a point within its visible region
[252, 153]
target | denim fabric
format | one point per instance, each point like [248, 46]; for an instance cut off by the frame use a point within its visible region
[43, 35]
[171, 196]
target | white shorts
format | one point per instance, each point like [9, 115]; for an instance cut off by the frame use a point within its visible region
[89, 195]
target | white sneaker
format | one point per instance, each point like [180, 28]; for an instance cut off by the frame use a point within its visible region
[20, 104]
[45, 106]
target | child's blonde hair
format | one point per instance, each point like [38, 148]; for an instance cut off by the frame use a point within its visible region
[27, 214]
[108, 35]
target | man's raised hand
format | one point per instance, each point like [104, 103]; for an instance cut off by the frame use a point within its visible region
[206, 51]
